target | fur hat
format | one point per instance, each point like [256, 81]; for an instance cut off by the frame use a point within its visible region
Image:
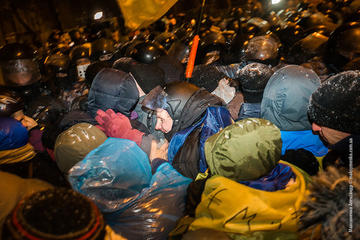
[336, 104]
[327, 207]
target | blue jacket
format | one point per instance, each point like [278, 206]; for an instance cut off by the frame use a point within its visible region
[12, 134]
[250, 110]
[215, 119]
[293, 140]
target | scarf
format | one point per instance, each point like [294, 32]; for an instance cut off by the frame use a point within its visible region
[21, 154]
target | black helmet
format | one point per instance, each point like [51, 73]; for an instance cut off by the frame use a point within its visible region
[342, 46]
[147, 52]
[263, 49]
[79, 52]
[180, 51]
[102, 49]
[256, 26]
[10, 103]
[317, 19]
[166, 39]
[307, 48]
[211, 48]
[173, 98]
[18, 65]
[57, 63]
[45, 110]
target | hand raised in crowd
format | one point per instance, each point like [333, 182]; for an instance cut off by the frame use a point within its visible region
[117, 125]
[159, 150]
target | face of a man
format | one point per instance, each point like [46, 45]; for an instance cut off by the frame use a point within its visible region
[164, 122]
[26, 121]
[329, 135]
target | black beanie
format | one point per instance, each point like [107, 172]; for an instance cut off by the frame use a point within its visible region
[206, 76]
[336, 103]
[148, 76]
[55, 214]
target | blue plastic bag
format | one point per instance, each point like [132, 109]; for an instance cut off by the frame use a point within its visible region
[136, 204]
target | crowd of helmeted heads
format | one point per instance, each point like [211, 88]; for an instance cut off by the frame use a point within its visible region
[320, 36]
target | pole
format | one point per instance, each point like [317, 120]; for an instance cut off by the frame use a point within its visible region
[195, 44]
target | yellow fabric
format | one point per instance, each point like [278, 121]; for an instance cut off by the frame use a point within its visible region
[320, 161]
[235, 208]
[22, 154]
[141, 13]
[13, 189]
[202, 176]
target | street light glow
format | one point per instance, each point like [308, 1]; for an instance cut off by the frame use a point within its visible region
[98, 15]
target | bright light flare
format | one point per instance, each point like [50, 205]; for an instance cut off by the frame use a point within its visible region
[98, 15]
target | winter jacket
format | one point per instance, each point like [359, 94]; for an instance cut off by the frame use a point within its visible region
[286, 97]
[18, 157]
[113, 89]
[186, 148]
[293, 140]
[339, 154]
[247, 213]
[246, 150]
[194, 110]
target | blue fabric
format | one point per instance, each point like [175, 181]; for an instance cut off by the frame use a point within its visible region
[250, 110]
[12, 134]
[215, 119]
[274, 181]
[136, 204]
[293, 140]
[118, 168]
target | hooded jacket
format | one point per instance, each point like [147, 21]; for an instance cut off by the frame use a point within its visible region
[285, 101]
[238, 198]
[194, 109]
[17, 156]
[201, 117]
[286, 97]
[113, 89]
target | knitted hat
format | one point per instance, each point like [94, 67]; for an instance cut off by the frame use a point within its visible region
[75, 143]
[336, 104]
[55, 214]
[206, 76]
[245, 150]
[253, 79]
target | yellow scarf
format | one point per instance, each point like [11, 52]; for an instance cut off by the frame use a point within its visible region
[22, 154]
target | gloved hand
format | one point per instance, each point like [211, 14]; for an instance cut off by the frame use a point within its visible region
[117, 125]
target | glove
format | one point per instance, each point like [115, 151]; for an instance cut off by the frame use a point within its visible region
[117, 125]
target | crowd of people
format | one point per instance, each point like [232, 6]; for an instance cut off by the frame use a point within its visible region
[106, 138]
